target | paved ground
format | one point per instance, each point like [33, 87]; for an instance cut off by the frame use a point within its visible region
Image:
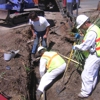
[87, 5]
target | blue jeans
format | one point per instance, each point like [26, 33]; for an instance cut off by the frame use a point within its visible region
[36, 41]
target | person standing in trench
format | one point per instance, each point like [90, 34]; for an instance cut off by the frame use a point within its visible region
[40, 28]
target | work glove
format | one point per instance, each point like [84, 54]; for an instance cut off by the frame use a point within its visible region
[75, 47]
[77, 35]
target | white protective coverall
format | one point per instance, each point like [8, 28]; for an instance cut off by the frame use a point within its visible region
[46, 78]
[90, 73]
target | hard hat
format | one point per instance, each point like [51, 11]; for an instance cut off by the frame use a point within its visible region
[40, 48]
[80, 20]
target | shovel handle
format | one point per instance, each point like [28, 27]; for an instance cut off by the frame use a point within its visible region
[69, 60]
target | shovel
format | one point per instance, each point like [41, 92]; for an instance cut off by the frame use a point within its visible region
[59, 91]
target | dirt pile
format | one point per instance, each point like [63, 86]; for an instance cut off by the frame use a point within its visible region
[13, 81]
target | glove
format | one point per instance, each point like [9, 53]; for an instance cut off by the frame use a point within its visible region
[77, 35]
[73, 47]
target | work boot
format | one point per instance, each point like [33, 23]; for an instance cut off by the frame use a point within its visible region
[81, 96]
[38, 94]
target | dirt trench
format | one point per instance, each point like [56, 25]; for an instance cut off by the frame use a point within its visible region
[19, 82]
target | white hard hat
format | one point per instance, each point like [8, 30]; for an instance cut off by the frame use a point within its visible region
[80, 20]
[40, 48]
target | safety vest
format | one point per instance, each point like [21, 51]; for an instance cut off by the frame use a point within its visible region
[96, 29]
[53, 60]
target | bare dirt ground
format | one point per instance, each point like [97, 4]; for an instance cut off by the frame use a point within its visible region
[19, 82]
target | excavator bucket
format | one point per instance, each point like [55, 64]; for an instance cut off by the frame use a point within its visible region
[4, 14]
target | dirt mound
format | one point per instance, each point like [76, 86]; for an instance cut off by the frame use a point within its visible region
[13, 73]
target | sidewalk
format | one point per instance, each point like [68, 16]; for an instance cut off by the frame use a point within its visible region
[88, 5]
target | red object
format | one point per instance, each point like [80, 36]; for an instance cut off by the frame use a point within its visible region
[64, 3]
[35, 1]
[2, 97]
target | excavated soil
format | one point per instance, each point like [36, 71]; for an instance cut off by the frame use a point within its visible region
[18, 80]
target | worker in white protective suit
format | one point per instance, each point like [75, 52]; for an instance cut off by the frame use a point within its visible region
[51, 65]
[91, 50]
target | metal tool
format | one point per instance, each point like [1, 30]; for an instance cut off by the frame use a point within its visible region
[40, 41]
[59, 91]
[44, 95]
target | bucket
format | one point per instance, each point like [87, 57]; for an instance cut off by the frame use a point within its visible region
[9, 55]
